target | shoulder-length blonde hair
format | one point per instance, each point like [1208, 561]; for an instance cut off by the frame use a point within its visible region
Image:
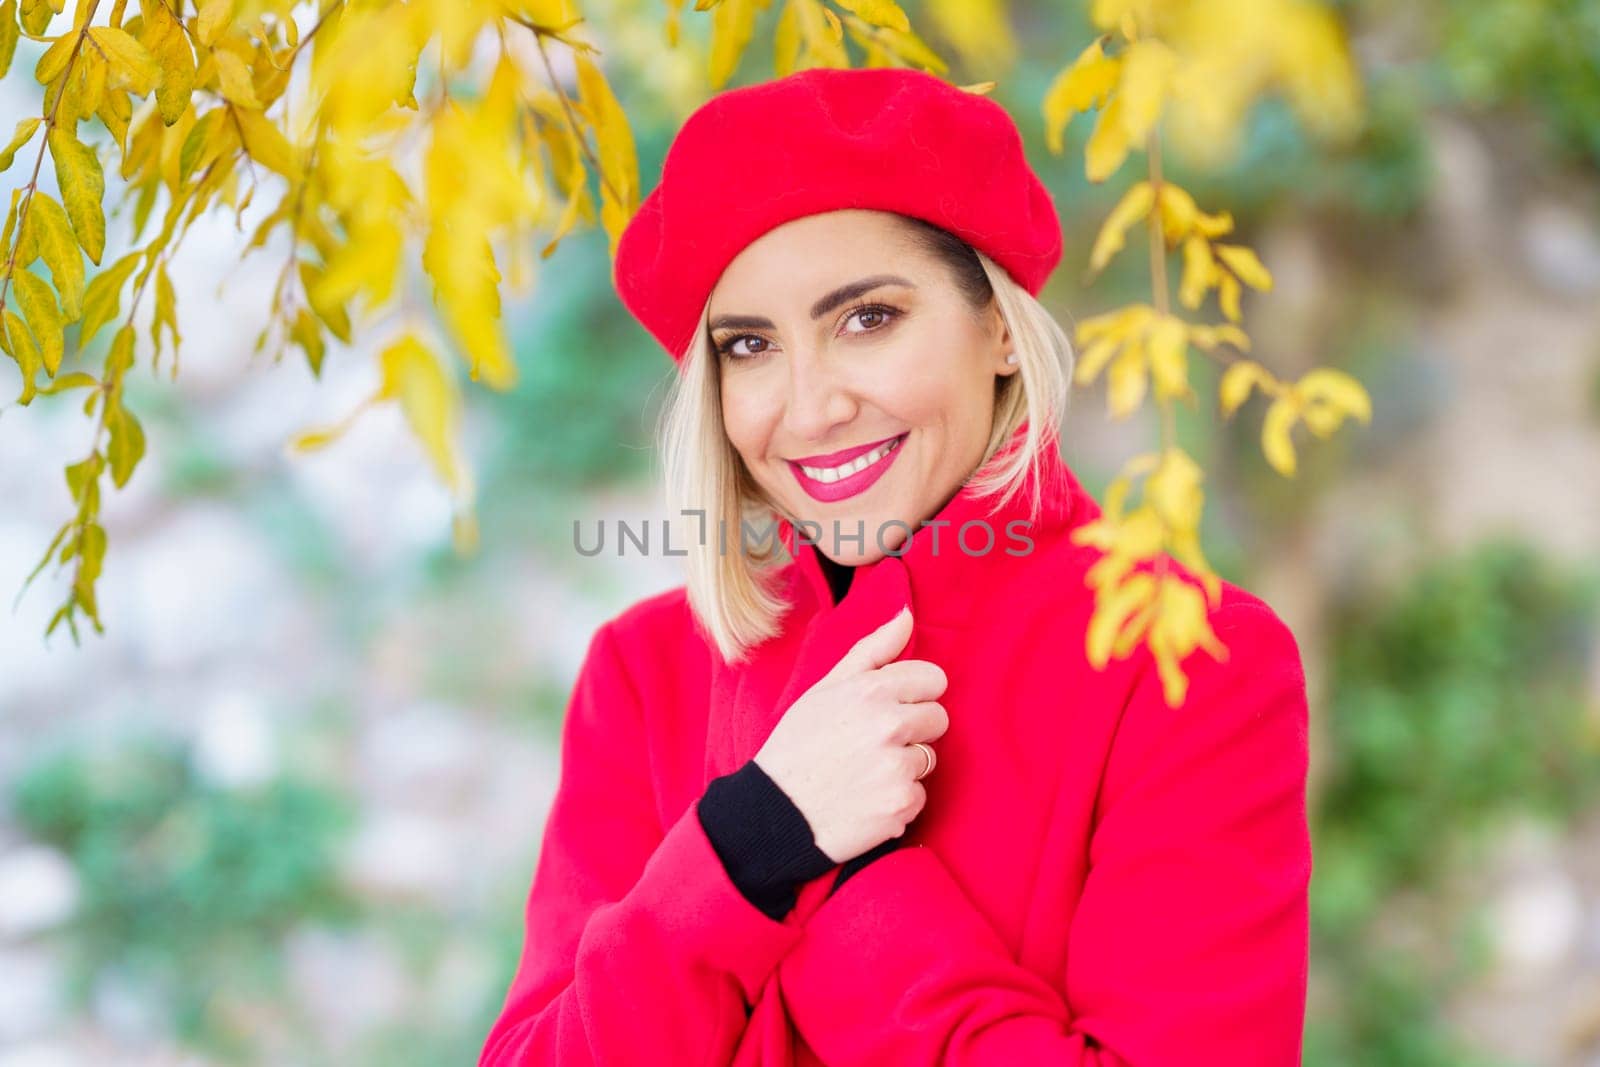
[732, 587]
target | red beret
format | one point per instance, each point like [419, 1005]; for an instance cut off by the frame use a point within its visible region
[826, 139]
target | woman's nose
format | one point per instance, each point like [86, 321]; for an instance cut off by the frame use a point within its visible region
[819, 400]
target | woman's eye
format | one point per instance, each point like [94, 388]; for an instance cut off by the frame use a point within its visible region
[872, 317]
[726, 348]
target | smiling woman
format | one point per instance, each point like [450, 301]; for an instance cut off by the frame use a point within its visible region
[871, 330]
[743, 864]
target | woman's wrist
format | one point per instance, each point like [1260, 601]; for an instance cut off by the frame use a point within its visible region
[764, 841]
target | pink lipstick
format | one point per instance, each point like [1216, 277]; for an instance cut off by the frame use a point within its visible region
[851, 470]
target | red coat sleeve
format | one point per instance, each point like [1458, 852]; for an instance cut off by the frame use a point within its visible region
[638, 948]
[1189, 944]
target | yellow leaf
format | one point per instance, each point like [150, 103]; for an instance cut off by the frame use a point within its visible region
[82, 187]
[1147, 69]
[83, 90]
[9, 32]
[411, 374]
[1112, 612]
[732, 23]
[50, 233]
[1321, 419]
[1094, 359]
[75, 380]
[368, 261]
[234, 76]
[913, 49]
[1237, 381]
[91, 554]
[834, 26]
[1228, 295]
[312, 440]
[19, 344]
[38, 306]
[464, 272]
[169, 44]
[1126, 380]
[823, 49]
[103, 299]
[24, 133]
[1109, 14]
[36, 15]
[1243, 262]
[1275, 441]
[1178, 211]
[1209, 337]
[1119, 323]
[55, 58]
[1340, 391]
[333, 315]
[785, 42]
[1169, 363]
[1134, 205]
[619, 164]
[1173, 490]
[879, 13]
[1085, 84]
[1108, 144]
[1213, 225]
[214, 18]
[1199, 272]
[308, 335]
[126, 446]
[1180, 628]
[552, 15]
[166, 314]
[127, 57]
[1318, 73]
[266, 143]
[979, 29]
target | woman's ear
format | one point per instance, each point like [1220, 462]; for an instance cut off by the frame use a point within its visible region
[1005, 350]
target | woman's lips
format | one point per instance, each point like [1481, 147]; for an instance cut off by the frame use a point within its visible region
[849, 486]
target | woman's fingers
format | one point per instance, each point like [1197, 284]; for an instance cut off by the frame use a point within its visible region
[913, 680]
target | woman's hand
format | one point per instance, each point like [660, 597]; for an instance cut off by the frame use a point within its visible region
[842, 752]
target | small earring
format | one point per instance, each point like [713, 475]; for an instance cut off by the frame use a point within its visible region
[1012, 358]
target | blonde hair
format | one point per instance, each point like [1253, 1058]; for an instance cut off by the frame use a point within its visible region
[732, 590]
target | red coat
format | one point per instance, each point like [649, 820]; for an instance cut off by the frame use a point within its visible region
[1096, 878]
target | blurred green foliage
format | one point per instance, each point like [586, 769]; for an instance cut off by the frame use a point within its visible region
[1452, 705]
[186, 887]
[1540, 54]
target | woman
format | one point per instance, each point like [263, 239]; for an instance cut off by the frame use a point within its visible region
[747, 861]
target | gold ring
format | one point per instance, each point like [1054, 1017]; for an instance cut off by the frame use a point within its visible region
[927, 754]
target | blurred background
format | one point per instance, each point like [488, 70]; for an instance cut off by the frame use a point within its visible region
[287, 808]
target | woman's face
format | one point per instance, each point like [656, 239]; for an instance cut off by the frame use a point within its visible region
[836, 337]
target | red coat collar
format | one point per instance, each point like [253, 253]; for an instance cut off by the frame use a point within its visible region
[945, 588]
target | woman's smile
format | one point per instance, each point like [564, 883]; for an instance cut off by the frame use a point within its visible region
[850, 477]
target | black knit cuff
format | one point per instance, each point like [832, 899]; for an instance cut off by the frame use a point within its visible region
[852, 866]
[763, 840]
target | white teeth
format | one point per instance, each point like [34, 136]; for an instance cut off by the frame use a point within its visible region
[833, 474]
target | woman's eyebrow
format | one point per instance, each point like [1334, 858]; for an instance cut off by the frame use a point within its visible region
[834, 299]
